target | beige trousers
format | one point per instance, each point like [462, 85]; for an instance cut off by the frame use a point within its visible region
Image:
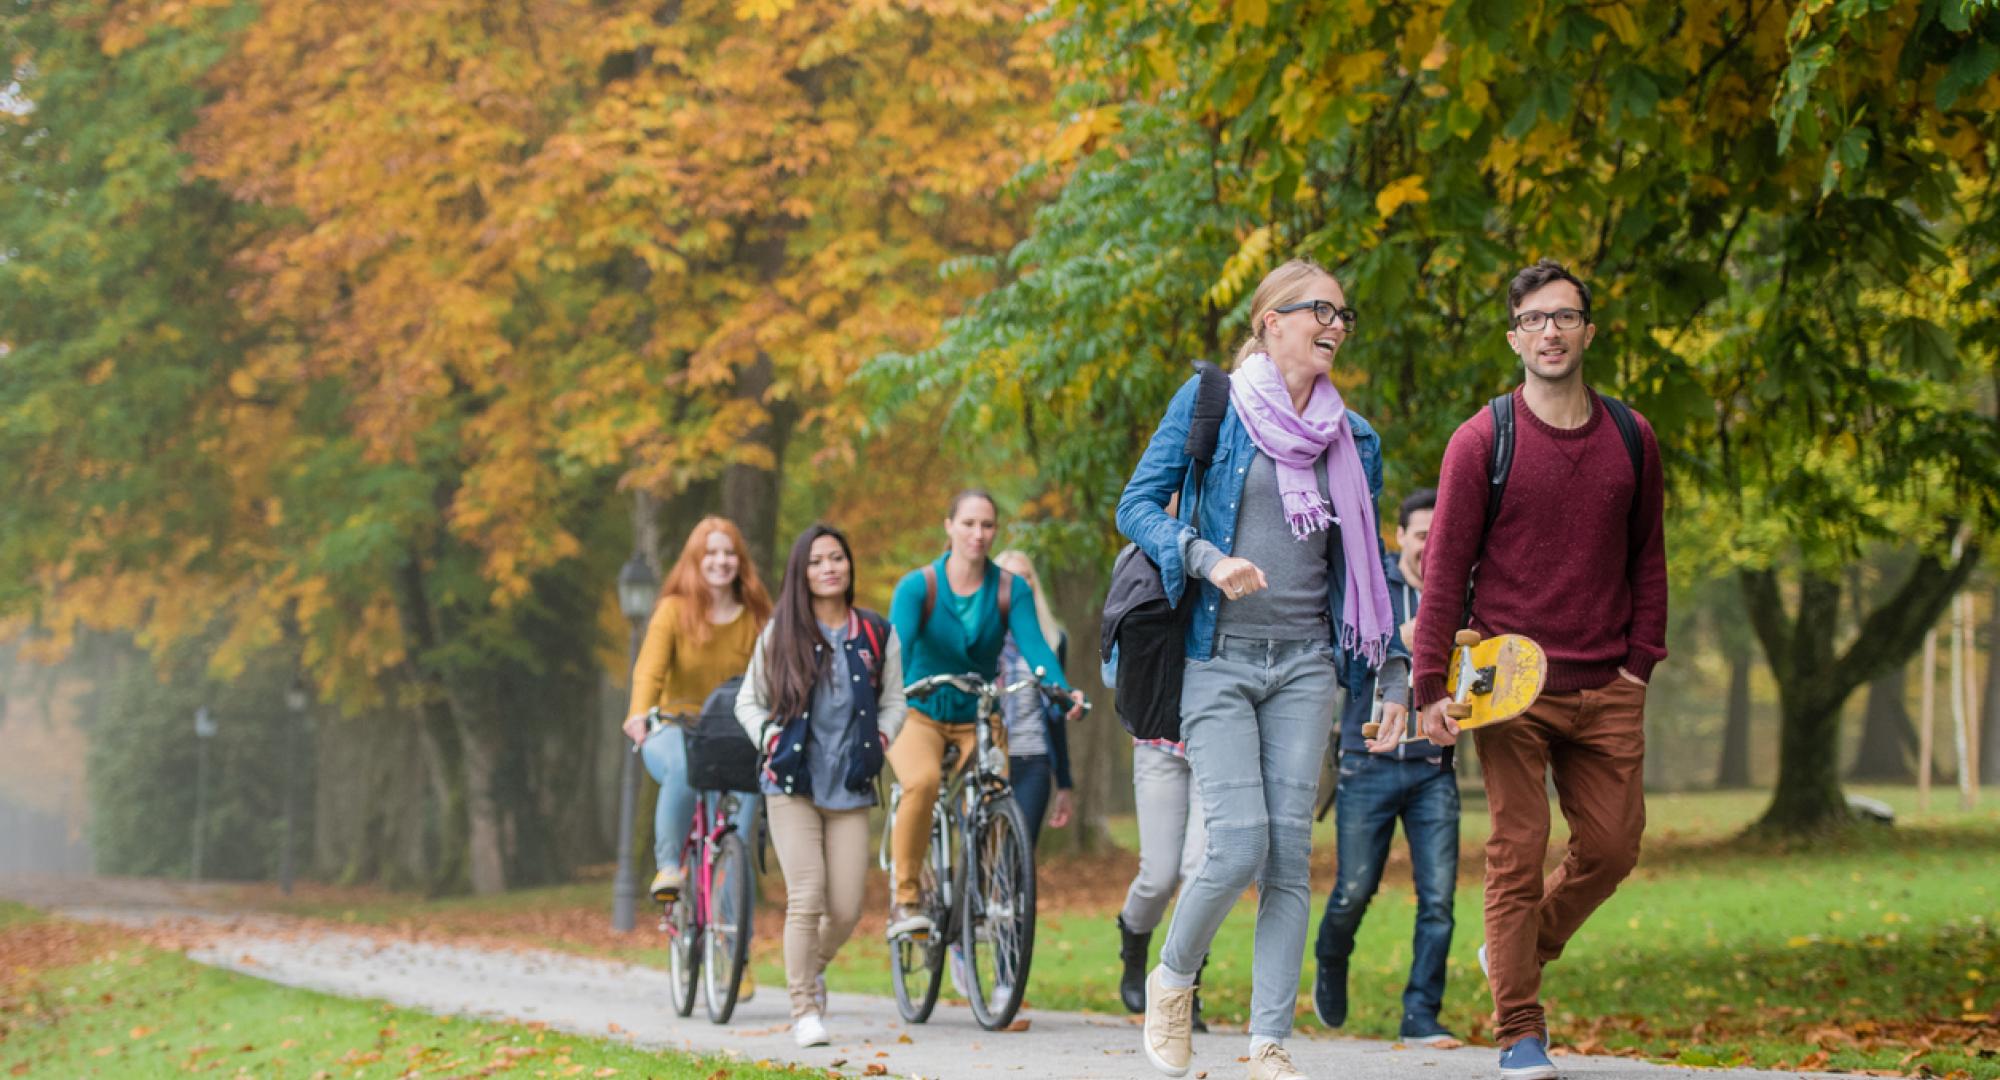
[824, 856]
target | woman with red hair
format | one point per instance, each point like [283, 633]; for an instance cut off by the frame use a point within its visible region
[703, 629]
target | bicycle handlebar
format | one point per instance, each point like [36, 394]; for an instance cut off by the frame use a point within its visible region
[978, 686]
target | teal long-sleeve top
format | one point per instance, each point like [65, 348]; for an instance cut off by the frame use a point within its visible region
[945, 648]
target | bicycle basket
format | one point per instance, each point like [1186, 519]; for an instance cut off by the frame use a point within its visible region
[720, 755]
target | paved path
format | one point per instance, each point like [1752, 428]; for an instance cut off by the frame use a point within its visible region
[613, 1000]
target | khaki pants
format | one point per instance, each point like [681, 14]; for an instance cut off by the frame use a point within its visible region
[1595, 743]
[917, 755]
[824, 856]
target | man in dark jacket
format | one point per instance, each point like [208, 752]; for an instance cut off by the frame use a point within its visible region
[1381, 782]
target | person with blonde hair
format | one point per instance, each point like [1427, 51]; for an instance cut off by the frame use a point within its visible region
[1292, 604]
[702, 632]
[1037, 734]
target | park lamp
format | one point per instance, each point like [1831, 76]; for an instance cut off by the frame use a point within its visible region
[636, 588]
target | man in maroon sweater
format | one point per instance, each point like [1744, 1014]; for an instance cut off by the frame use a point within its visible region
[1572, 563]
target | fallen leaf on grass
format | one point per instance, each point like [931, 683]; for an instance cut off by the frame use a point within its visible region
[604, 1072]
[875, 1070]
[141, 1032]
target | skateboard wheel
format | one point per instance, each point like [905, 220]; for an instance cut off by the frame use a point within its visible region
[1467, 638]
[1457, 710]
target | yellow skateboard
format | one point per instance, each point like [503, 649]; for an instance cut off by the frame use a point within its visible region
[1490, 680]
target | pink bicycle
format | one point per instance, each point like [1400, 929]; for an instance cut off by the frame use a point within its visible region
[708, 926]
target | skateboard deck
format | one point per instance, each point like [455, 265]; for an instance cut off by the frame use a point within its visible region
[1494, 679]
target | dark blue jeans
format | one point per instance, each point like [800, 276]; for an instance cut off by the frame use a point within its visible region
[1032, 780]
[1374, 792]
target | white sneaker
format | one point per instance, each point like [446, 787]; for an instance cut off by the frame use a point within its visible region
[907, 919]
[1271, 1062]
[807, 1030]
[1169, 1032]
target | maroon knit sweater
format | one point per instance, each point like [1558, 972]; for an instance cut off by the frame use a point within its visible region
[1558, 566]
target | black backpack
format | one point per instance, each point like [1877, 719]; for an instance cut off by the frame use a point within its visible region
[1502, 462]
[720, 754]
[1149, 633]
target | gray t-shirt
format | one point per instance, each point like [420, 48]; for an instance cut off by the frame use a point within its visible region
[828, 751]
[1293, 608]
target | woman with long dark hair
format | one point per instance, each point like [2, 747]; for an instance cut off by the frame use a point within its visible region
[710, 611]
[823, 696]
[1292, 603]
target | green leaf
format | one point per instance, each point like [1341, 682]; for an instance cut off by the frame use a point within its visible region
[1974, 64]
[1924, 345]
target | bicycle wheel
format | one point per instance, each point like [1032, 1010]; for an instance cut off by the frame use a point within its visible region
[683, 953]
[916, 962]
[998, 933]
[727, 936]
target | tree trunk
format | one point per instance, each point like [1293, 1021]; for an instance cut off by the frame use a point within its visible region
[750, 489]
[1814, 680]
[486, 830]
[1888, 739]
[1989, 732]
[1734, 770]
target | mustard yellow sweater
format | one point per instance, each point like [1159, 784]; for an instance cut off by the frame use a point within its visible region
[677, 674]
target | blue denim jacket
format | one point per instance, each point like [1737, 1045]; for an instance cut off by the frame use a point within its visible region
[1165, 469]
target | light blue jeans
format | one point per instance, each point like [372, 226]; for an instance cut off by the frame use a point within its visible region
[1256, 717]
[665, 755]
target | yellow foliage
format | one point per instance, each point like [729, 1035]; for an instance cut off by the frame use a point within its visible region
[1400, 193]
[1248, 262]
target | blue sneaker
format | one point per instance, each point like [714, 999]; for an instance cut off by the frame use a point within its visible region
[1330, 993]
[1424, 1031]
[1527, 1059]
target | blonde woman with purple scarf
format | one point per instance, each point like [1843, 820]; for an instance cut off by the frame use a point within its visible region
[1291, 601]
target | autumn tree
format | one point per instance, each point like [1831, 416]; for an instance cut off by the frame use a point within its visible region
[1786, 212]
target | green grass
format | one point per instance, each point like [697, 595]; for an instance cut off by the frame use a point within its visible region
[12, 914]
[1718, 950]
[138, 1012]
[1856, 954]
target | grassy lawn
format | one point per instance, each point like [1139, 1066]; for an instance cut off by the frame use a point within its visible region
[1881, 952]
[109, 1005]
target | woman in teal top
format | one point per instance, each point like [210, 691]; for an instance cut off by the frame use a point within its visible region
[963, 632]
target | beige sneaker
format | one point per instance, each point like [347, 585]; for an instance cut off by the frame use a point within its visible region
[1271, 1062]
[1169, 1031]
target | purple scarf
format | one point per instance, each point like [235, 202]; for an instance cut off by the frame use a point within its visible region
[1293, 442]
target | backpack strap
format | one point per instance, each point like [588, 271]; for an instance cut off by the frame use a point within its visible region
[1628, 430]
[1501, 461]
[931, 591]
[876, 631]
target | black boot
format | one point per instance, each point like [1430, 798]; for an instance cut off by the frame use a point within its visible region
[1132, 950]
[1199, 1025]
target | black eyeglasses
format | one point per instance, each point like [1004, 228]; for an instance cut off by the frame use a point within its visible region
[1567, 318]
[1324, 311]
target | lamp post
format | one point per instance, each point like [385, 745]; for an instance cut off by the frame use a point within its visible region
[295, 706]
[637, 589]
[204, 730]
